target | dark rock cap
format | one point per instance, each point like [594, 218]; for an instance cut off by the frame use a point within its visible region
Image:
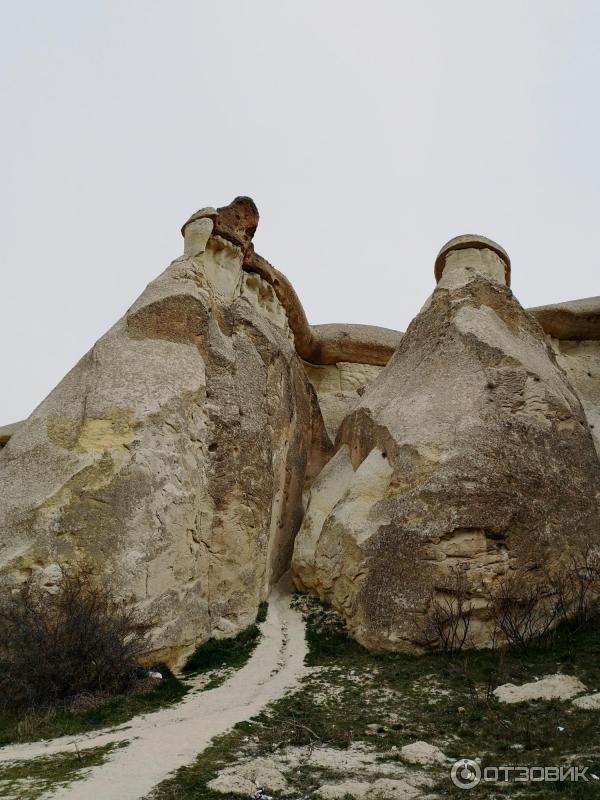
[236, 222]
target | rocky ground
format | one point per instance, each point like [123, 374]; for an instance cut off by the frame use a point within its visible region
[391, 726]
[346, 723]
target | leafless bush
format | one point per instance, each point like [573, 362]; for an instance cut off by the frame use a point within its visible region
[523, 609]
[54, 647]
[528, 606]
[449, 618]
[576, 587]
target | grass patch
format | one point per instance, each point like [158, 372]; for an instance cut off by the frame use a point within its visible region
[225, 655]
[29, 780]
[60, 721]
[444, 700]
[261, 615]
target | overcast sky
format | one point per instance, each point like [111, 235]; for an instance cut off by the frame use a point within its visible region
[367, 133]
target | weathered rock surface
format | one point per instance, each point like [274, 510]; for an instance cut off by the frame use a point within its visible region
[8, 431]
[174, 455]
[581, 362]
[469, 452]
[245, 779]
[422, 753]
[339, 388]
[589, 702]
[371, 775]
[575, 320]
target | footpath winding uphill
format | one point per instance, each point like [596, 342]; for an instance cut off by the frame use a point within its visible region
[165, 740]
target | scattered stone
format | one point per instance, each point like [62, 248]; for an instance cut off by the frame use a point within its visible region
[361, 762]
[422, 753]
[552, 687]
[249, 777]
[156, 676]
[589, 702]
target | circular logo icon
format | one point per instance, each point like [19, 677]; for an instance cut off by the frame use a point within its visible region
[465, 773]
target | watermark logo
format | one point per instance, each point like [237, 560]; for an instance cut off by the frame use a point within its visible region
[467, 774]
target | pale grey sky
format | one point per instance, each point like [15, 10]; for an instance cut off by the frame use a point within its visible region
[367, 133]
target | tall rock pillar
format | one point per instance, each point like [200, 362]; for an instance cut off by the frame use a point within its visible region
[470, 452]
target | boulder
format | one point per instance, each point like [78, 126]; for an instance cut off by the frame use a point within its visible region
[422, 753]
[468, 454]
[172, 458]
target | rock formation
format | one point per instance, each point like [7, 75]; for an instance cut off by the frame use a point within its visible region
[183, 453]
[173, 457]
[470, 451]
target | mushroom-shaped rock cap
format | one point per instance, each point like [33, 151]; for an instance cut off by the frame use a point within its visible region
[236, 222]
[466, 241]
[208, 211]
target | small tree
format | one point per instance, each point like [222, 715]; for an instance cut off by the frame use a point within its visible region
[54, 647]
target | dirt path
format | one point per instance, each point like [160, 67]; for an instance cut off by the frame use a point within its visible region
[165, 740]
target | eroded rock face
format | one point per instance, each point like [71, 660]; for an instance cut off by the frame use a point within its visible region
[8, 431]
[339, 388]
[174, 455]
[469, 452]
[581, 363]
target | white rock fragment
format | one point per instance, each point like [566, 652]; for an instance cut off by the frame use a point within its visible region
[552, 687]
[245, 779]
[589, 702]
[422, 753]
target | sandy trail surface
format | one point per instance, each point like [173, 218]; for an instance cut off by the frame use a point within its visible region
[165, 740]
